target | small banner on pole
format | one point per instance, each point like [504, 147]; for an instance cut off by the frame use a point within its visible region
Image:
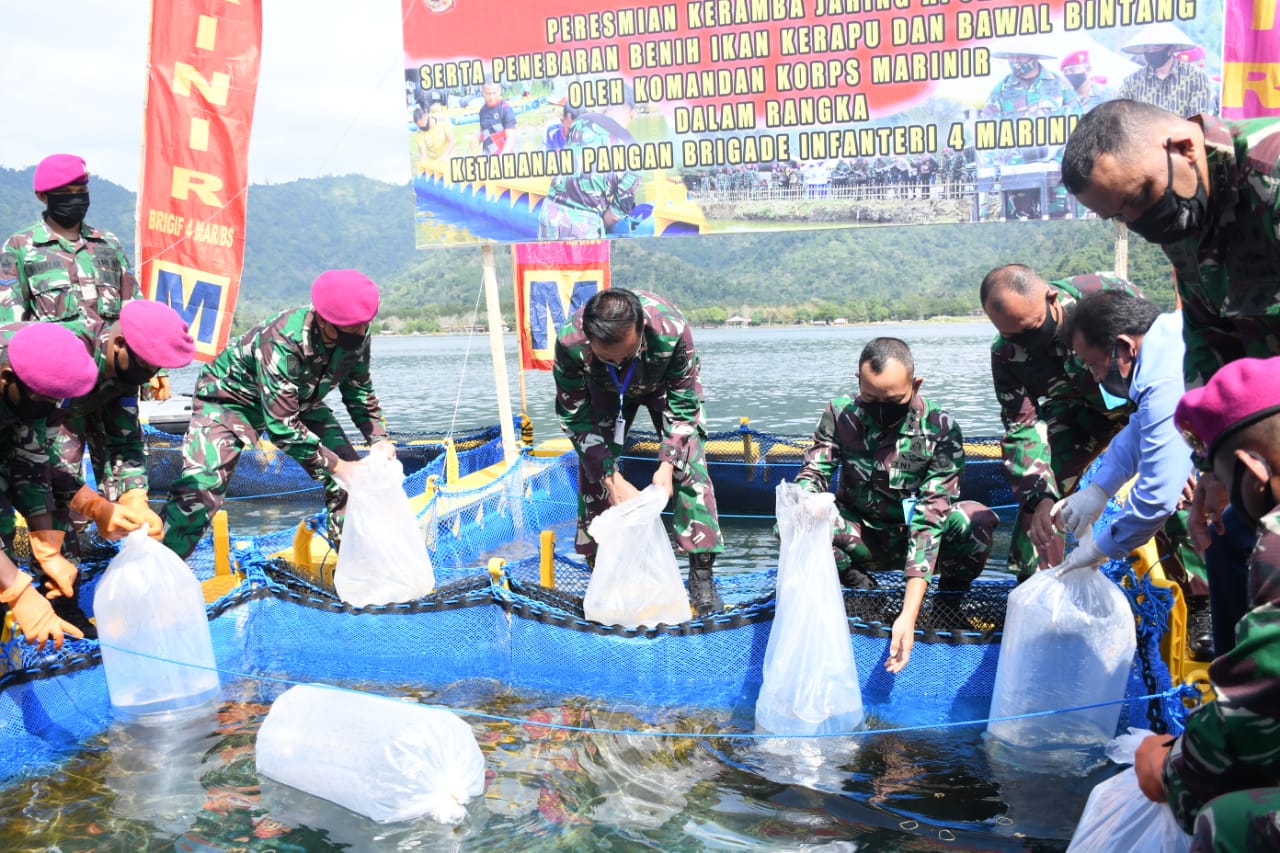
[553, 280]
[195, 161]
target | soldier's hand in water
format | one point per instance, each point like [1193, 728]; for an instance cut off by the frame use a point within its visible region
[662, 477]
[1049, 543]
[620, 489]
[1207, 505]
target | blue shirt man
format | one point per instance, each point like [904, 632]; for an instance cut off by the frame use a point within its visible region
[1134, 352]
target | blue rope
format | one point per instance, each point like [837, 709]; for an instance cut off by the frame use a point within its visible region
[468, 712]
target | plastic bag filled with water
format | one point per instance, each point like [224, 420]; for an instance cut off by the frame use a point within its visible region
[636, 579]
[1069, 641]
[386, 759]
[1120, 819]
[383, 558]
[157, 653]
[810, 681]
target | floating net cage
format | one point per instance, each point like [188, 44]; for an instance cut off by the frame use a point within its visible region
[280, 624]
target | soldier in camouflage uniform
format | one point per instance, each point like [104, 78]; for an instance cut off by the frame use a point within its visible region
[1056, 421]
[272, 384]
[1220, 775]
[128, 352]
[1207, 192]
[900, 458]
[620, 352]
[41, 364]
[589, 205]
[1079, 73]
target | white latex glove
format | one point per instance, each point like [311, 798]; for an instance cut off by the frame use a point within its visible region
[1077, 512]
[1085, 556]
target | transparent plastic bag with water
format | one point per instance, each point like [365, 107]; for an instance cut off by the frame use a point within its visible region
[383, 558]
[1069, 641]
[387, 759]
[157, 652]
[810, 680]
[636, 581]
[1118, 818]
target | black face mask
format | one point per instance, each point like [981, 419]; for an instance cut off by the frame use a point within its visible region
[885, 415]
[1237, 493]
[1113, 383]
[1156, 58]
[1172, 217]
[26, 407]
[1076, 79]
[1042, 336]
[134, 374]
[67, 209]
[348, 340]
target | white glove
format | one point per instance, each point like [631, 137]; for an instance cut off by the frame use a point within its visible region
[1086, 556]
[1080, 510]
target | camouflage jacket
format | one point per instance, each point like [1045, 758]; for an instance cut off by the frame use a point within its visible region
[1186, 91]
[1228, 276]
[24, 454]
[1035, 388]
[116, 405]
[1048, 94]
[279, 371]
[921, 458]
[600, 192]
[1232, 743]
[43, 277]
[587, 399]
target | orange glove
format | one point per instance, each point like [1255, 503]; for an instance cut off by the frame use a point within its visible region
[159, 388]
[135, 501]
[46, 547]
[35, 616]
[114, 521]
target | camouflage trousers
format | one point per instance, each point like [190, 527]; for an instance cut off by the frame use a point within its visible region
[696, 524]
[962, 554]
[1239, 822]
[216, 435]
[1076, 437]
[561, 222]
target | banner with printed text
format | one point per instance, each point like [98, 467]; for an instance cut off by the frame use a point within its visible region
[576, 119]
[553, 280]
[195, 160]
[1251, 59]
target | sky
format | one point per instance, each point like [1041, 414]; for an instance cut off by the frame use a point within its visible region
[330, 91]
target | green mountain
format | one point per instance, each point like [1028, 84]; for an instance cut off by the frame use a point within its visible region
[300, 228]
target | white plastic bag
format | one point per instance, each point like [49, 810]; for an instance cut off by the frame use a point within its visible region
[151, 621]
[636, 579]
[386, 759]
[810, 683]
[1068, 641]
[1120, 819]
[383, 558]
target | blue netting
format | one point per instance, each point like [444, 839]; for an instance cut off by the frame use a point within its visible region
[278, 626]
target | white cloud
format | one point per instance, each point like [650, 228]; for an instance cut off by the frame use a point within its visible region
[330, 92]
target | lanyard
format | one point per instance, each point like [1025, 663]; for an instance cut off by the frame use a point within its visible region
[620, 422]
[625, 383]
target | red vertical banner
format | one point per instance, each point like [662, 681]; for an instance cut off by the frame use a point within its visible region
[1251, 59]
[195, 160]
[553, 280]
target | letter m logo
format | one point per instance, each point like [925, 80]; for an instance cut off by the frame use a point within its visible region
[199, 297]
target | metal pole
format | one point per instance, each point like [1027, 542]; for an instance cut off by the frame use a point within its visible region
[510, 449]
[1122, 250]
